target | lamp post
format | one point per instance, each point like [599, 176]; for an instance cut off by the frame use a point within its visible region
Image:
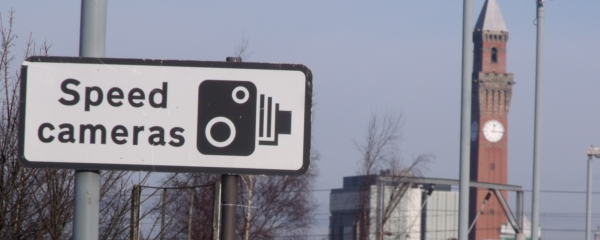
[591, 152]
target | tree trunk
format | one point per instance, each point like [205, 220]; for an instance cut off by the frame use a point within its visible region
[249, 185]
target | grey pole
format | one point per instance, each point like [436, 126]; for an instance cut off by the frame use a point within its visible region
[520, 206]
[521, 235]
[229, 184]
[592, 151]
[588, 204]
[465, 119]
[92, 42]
[537, 140]
[229, 198]
[92, 38]
[380, 196]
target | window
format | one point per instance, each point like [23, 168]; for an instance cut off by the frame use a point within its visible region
[494, 55]
[493, 166]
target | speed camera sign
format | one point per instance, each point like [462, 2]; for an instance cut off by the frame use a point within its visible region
[165, 115]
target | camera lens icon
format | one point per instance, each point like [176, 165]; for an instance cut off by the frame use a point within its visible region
[209, 136]
[235, 94]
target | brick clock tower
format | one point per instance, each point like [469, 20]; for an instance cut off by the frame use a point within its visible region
[492, 90]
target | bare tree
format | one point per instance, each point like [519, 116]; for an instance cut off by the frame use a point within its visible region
[242, 49]
[249, 183]
[280, 206]
[270, 208]
[23, 203]
[115, 202]
[380, 150]
[181, 188]
[37, 203]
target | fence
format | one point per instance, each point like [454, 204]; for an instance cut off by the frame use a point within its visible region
[175, 212]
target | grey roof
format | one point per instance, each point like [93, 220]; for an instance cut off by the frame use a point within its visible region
[490, 17]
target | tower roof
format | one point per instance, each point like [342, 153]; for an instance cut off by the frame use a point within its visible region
[490, 17]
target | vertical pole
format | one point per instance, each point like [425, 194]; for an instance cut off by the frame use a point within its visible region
[588, 204]
[162, 214]
[135, 212]
[381, 206]
[229, 200]
[520, 207]
[380, 197]
[217, 211]
[192, 193]
[87, 205]
[537, 140]
[229, 196]
[92, 42]
[465, 126]
[92, 38]
[521, 235]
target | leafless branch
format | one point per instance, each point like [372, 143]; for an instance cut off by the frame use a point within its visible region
[37, 203]
[380, 150]
[242, 49]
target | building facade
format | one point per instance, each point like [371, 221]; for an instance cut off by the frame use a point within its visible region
[418, 215]
[428, 210]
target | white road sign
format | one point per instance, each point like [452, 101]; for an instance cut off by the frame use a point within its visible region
[165, 115]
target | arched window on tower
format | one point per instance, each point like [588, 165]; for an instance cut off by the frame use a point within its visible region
[494, 55]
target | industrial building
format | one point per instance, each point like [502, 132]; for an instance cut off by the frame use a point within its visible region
[427, 210]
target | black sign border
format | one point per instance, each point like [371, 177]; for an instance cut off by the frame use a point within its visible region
[169, 63]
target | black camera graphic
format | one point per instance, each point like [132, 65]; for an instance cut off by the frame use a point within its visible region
[227, 118]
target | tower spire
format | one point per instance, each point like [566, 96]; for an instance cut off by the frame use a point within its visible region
[491, 18]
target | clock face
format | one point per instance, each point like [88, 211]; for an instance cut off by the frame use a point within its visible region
[493, 130]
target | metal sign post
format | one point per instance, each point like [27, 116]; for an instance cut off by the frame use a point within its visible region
[229, 196]
[92, 43]
[537, 128]
[465, 126]
[229, 200]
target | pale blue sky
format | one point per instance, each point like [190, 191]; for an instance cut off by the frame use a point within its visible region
[367, 56]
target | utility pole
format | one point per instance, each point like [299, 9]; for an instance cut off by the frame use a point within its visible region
[537, 139]
[592, 152]
[465, 120]
[92, 43]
